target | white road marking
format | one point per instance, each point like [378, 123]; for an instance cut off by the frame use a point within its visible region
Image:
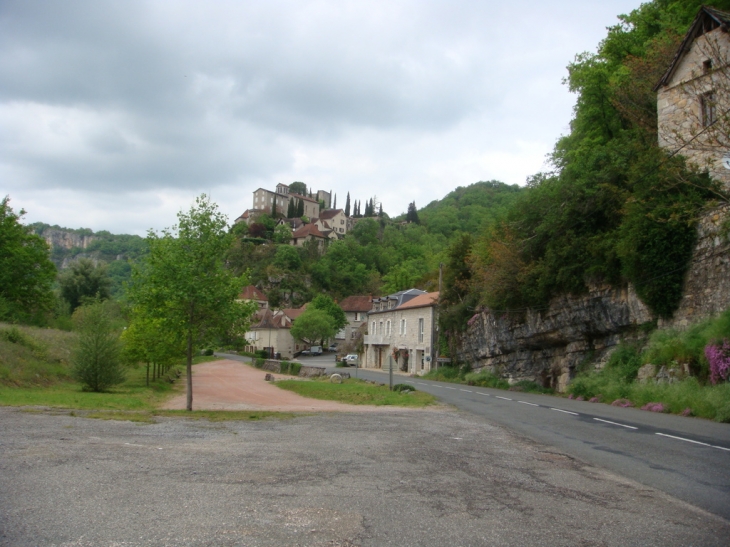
[691, 441]
[566, 411]
[422, 384]
[614, 423]
[485, 394]
[505, 398]
[409, 382]
[447, 387]
[526, 403]
[467, 390]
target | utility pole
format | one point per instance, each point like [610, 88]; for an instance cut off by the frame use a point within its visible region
[390, 371]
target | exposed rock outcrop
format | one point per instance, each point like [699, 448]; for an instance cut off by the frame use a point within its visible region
[66, 239]
[546, 346]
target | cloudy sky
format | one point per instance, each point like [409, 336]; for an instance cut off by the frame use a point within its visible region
[114, 115]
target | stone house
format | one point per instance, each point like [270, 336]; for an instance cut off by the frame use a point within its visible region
[264, 200]
[310, 232]
[271, 330]
[356, 310]
[252, 294]
[403, 326]
[335, 220]
[693, 96]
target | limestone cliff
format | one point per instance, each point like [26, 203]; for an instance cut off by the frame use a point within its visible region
[546, 345]
[65, 239]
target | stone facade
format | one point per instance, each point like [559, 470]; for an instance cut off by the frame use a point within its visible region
[707, 285]
[693, 97]
[405, 332]
[546, 346]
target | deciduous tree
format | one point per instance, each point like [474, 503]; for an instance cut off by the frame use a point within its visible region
[185, 285]
[83, 280]
[313, 326]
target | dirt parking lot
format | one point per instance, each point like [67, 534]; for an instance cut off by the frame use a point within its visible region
[327, 479]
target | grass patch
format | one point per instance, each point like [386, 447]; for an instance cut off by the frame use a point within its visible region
[32, 356]
[356, 392]
[148, 416]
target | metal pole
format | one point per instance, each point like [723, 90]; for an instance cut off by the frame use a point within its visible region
[390, 371]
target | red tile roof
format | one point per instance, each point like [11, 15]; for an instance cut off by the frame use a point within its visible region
[329, 213]
[306, 230]
[420, 301]
[252, 293]
[357, 303]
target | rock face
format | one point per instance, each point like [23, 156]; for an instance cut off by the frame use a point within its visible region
[66, 240]
[546, 346]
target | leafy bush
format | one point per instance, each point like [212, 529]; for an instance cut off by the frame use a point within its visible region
[259, 362]
[403, 387]
[718, 357]
[262, 353]
[485, 379]
[288, 367]
[208, 352]
[529, 386]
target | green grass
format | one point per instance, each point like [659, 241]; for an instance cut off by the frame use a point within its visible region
[356, 392]
[149, 416]
[32, 356]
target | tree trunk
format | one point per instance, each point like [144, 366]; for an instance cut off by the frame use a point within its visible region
[190, 371]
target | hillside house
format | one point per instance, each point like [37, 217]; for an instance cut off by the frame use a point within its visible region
[271, 331]
[335, 220]
[403, 326]
[356, 310]
[252, 294]
[265, 200]
[310, 232]
[693, 96]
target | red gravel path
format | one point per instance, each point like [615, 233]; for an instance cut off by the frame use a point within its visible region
[232, 385]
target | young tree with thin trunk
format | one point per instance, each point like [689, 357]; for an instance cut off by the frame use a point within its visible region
[185, 285]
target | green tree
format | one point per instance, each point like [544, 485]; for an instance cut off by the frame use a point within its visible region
[145, 341]
[26, 271]
[83, 280]
[96, 358]
[298, 188]
[282, 233]
[313, 326]
[412, 214]
[347, 205]
[300, 208]
[326, 304]
[185, 284]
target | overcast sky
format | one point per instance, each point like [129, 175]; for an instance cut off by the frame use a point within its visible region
[115, 115]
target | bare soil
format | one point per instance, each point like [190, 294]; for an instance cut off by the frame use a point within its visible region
[232, 385]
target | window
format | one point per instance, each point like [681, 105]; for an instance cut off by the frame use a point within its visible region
[420, 329]
[402, 327]
[387, 328]
[381, 327]
[374, 332]
[709, 111]
[357, 316]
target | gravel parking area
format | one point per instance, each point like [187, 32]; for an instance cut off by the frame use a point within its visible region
[347, 479]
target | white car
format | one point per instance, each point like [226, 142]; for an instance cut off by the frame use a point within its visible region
[350, 359]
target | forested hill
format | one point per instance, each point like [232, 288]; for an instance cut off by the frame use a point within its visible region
[116, 250]
[468, 209]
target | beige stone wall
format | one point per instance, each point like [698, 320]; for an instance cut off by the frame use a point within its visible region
[280, 339]
[380, 341]
[679, 105]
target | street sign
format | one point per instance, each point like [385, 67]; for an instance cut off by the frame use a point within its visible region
[443, 359]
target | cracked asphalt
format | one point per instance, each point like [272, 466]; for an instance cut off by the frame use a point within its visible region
[333, 479]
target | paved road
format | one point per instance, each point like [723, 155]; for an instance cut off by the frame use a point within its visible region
[686, 457]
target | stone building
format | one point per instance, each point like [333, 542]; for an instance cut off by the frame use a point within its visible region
[265, 200]
[403, 327]
[693, 96]
[252, 294]
[271, 331]
[356, 310]
[333, 219]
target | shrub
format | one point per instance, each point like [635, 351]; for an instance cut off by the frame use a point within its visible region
[287, 367]
[529, 386]
[259, 362]
[718, 357]
[485, 379]
[403, 387]
[262, 353]
[97, 357]
[208, 352]
[723, 414]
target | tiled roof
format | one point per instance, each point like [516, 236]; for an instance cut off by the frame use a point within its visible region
[252, 293]
[305, 198]
[423, 300]
[329, 213]
[707, 19]
[307, 229]
[293, 313]
[357, 303]
[267, 319]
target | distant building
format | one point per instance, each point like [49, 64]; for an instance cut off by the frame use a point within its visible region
[271, 331]
[335, 220]
[356, 310]
[252, 294]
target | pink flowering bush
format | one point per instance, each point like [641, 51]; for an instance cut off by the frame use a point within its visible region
[718, 356]
[596, 399]
[654, 407]
[623, 403]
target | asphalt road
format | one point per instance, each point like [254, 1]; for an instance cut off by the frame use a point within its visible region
[688, 458]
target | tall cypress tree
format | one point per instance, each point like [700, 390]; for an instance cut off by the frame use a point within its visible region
[334, 206]
[347, 205]
[291, 211]
[412, 214]
[300, 208]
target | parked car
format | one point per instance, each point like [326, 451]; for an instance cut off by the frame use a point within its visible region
[315, 350]
[350, 360]
[333, 347]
